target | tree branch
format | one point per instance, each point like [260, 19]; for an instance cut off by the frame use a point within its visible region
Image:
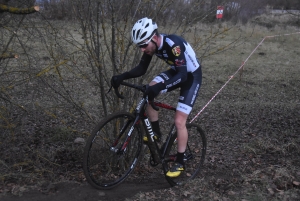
[5, 8]
[8, 56]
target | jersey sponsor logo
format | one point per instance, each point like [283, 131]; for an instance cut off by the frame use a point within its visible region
[165, 76]
[182, 107]
[174, 83]
[166, 55]
[176, 51]
[168, 86]
[195, 94]
[179, 62]
[170, 42]
[192, 60]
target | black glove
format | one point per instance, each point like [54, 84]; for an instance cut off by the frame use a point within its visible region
[153, 91]
[116, 80]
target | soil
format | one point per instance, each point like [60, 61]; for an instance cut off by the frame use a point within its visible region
[82, 191]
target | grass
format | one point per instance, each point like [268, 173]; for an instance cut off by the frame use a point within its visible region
[252, 126]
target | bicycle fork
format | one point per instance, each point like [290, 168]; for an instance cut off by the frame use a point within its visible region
[138, 111]
[122, 149]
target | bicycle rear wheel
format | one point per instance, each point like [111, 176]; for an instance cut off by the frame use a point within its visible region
[194, 155]
[107, 159]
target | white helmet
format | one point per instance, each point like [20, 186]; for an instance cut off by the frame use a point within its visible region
[142, 30]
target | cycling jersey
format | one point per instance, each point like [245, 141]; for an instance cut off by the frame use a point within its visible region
[185, 70]
[176, 52]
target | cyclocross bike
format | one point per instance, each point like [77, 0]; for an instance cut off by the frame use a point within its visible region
[113, 149]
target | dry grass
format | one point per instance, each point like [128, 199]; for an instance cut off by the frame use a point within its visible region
[252, 126]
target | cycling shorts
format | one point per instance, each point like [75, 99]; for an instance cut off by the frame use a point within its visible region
[188, 89]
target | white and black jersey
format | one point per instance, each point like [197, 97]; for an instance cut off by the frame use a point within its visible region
[176, 52]
[185, 72]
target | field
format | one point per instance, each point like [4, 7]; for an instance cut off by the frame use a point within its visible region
[252, 129]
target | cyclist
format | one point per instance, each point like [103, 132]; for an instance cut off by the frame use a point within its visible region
[185, 73]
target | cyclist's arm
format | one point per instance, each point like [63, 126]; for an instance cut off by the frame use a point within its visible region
[141, 68]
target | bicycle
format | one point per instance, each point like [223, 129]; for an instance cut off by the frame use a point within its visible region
[113, 149]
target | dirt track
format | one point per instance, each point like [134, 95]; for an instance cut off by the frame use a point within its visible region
[79, 192]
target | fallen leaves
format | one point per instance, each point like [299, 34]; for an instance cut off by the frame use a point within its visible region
[296, 183]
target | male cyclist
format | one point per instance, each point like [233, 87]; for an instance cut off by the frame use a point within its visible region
[185, 73]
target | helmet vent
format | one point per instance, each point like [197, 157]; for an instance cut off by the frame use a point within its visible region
[147, 25]
[143, 35]
[138, 33]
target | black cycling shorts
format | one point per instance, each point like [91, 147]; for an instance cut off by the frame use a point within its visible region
[188, 89]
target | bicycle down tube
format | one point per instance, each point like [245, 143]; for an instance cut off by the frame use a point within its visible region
[140, 112]
[153, 147]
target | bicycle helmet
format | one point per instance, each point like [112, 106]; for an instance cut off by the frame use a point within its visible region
[142, 30]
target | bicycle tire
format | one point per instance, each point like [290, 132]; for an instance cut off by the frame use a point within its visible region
[106, 167]
[194, 155]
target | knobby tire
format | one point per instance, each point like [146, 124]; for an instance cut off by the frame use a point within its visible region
[103, 167]
[194, 155]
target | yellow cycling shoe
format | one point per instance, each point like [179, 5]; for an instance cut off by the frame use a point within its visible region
[176, 170]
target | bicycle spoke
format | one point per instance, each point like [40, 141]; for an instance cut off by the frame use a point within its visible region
[108, 159]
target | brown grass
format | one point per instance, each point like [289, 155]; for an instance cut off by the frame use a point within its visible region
[252, 126]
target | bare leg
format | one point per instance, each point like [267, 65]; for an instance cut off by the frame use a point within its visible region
[180, 123]
[182, 134]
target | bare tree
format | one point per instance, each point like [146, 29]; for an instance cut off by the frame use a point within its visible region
[5, 7]
[67, 54]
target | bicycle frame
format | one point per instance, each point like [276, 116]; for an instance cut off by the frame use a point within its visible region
[140, 114]
[122, 133]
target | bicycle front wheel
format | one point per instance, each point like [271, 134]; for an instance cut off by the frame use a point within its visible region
[194, 155]
[108, 159]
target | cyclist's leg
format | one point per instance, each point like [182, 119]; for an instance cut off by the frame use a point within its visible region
[153, 114]
[182, 134]
[153, 117]
[188, 94]
[182, 139]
